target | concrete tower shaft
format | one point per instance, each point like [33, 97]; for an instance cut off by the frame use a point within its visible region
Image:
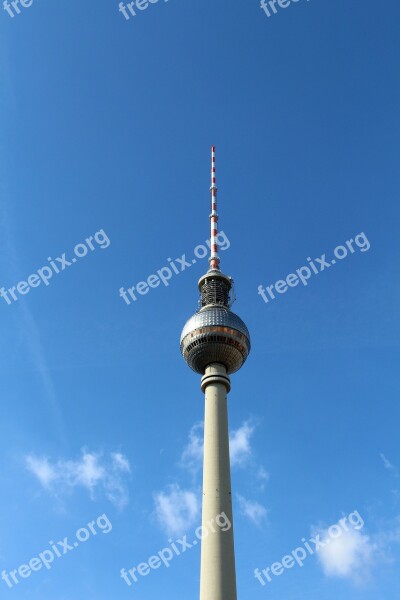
[217, 573]
[215, 343]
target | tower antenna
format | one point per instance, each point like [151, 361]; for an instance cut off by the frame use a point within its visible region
[214, 258]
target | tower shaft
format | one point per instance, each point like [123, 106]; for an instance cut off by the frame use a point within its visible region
[218, 574]
[215, 342]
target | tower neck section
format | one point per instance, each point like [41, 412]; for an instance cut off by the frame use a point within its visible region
[218, 574]
[214, 288]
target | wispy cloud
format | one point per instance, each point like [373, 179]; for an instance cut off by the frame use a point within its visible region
[239, 444]
[43, 470]
[26, 329]
[91, 471]
[239, 447]
[121, 462]
[252, 510]
[262, 477]
[388, 466]
[177, 509]
[192, 455]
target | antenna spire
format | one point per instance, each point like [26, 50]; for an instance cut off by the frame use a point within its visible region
[214, 258]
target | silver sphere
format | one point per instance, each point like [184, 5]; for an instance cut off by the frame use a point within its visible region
[215, 335]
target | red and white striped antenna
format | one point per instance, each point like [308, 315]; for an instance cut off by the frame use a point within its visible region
[214, 258]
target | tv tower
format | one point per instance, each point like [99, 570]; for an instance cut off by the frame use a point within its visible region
[215, 343]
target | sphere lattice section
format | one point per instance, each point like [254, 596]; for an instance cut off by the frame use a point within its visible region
[215, 335]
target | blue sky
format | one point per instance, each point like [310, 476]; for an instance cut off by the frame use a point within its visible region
[106, 128]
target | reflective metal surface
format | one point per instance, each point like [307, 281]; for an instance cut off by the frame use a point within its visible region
[215, 335]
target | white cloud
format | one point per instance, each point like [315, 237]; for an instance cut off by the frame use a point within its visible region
[263, 477]
[121, 462]
[354, 554]
[192, 456]
[90, 471]
[42, 469]
[86, 472]
[388, 465]
[252, 510]
[176, 509]
[239, 447]
[262, 474]
[350, 556]
[239, 444]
